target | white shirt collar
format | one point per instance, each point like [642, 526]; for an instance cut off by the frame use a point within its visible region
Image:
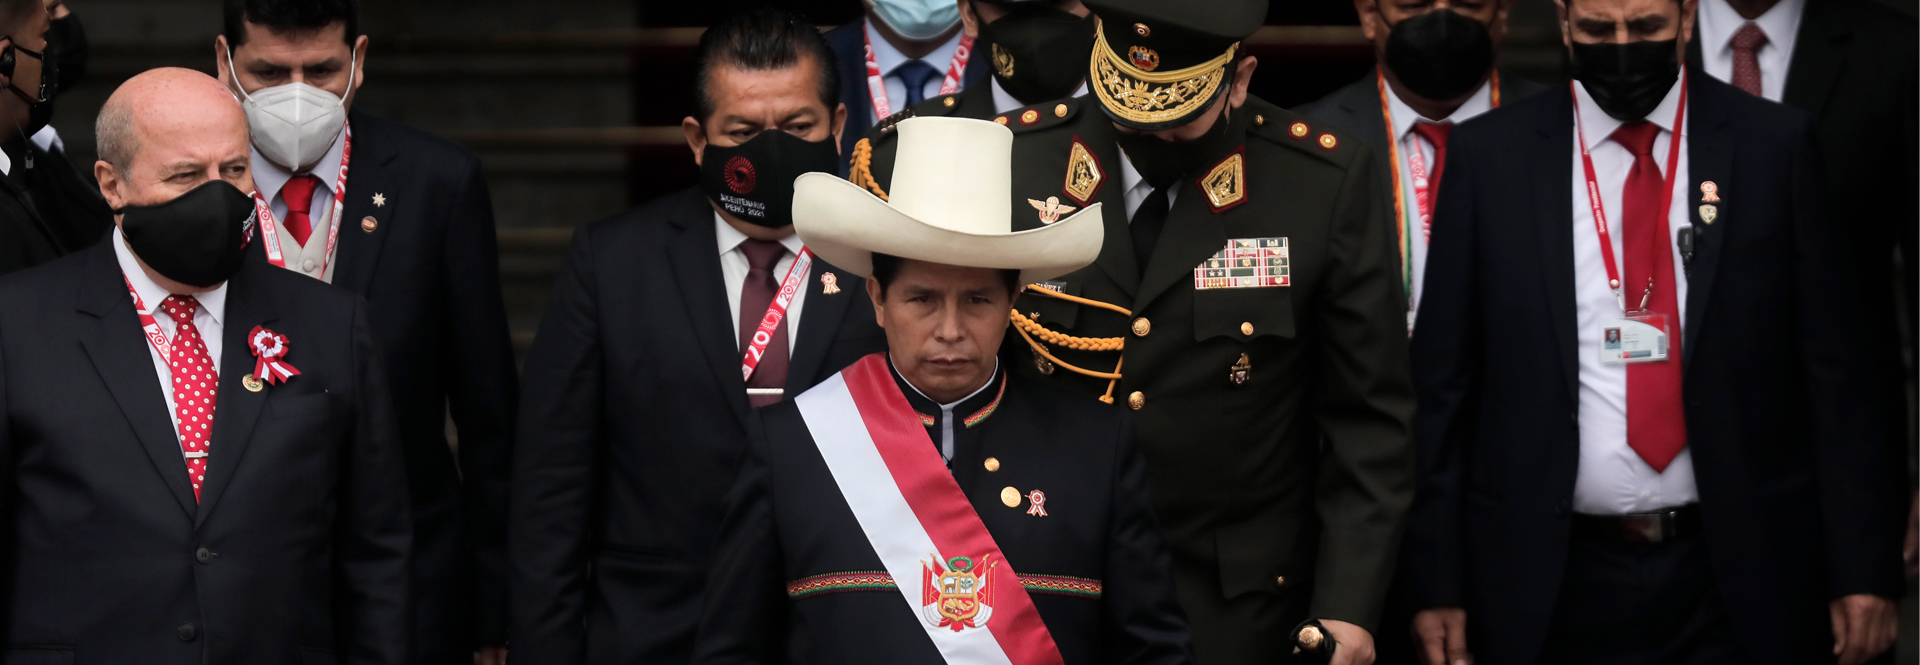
[730, 238]
[1404, 117]
[214, 302]
[889, 58]
[948, 407]
[6, 163]
[1718, 21]
[1003, 102]
[269, 177]
[1598, 127]
[48, 139]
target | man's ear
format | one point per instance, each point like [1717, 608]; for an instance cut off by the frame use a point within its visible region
[1242, 77]
[1370, 23]
[839, 124]
[879, 302]
[1566, 30]
[109, 180]
[1688, 14]
[359, 63]
[697, 137]
[970, 23]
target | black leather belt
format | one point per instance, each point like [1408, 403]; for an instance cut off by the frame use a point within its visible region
[1655, 527]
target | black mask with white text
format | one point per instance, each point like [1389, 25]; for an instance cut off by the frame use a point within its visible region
[198, 239]
[753, 181]
[1039, 53]
[1627, 80]
[1440, 55]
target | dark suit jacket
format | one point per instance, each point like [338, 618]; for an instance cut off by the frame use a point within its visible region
[1856, 69]
[788, 521]
[302, 518]
[632, 429]
[430, 271]
[1798, 480]
[850, 51]
[1355, 109]
[26, 239]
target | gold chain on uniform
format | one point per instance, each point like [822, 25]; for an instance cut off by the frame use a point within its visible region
[1029, 328]
[1182, 91]
[860, 173]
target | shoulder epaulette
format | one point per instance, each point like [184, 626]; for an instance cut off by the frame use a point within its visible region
[1296, 131]
[1040, 116]
[886, 124]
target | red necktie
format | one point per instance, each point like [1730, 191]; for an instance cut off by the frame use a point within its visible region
[756, 293]
[195, 386]
[1656, 422]
[298, 194]
[1746, 57]
[1436, 134]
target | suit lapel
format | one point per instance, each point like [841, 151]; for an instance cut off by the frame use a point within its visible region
[1553, 199]
[1709, 157]
[1818, 58]
[367, 174]
[1362, 106]
[819, 323]
[237, 409]
[119, 353]
[695, 255]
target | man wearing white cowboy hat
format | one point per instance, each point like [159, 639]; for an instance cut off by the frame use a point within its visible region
[922, 505]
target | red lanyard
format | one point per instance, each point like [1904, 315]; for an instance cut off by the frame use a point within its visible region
[877, 85]
[1593, 184]
[148, 325]
[271, 236]
[776, 311]
[1418, 166]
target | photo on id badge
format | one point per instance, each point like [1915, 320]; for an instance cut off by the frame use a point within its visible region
[1635, 339]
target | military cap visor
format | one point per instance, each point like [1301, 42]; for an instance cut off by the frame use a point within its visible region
[1157, 65]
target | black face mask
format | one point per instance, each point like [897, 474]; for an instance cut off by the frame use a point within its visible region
[40, 101]
[1039, 52]
[1161, 162]
[1627, 80]
[69, 43]
[753, 181]
[198, 239]
[1440, 55]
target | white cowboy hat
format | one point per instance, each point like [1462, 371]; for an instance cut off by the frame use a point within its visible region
[952, 180]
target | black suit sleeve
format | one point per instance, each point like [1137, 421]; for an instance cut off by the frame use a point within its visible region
[744, 619]
[1144, 624]
[481, 394]
[374, 532]
[1446, 366]
[1364, 404]
[551, 501]
[1856, 460]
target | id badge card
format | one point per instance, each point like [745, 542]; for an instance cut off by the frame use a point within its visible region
[1638, 337]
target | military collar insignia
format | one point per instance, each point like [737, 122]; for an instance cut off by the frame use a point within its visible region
[1050, 209]
[978, 416]
[1084, 174]
[1226, 183]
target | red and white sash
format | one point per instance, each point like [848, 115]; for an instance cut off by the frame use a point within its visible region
[920, 522]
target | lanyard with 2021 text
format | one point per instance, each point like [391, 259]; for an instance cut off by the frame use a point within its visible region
[1593, 189]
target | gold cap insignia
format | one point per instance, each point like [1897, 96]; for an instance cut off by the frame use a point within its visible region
[1226, 184]
[1133, 93]
[1083, 174]
[1144, 58]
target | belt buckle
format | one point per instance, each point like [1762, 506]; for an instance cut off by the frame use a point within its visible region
[1645, 528]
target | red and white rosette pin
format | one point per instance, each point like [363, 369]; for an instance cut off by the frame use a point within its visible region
[268, 348]
[1037, 503]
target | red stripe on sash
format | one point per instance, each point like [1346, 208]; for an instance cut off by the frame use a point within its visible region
[943, 509]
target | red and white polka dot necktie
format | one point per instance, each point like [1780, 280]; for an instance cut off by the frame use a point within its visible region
[195, 387]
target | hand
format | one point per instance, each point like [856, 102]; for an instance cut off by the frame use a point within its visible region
[1353, 644]
[1911, 553]
[491, 655]
[1863, 626]
[1441, 634]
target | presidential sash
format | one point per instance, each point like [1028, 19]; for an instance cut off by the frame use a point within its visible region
[946, 566]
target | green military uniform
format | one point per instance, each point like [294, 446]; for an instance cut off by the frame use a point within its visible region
[1272, 396]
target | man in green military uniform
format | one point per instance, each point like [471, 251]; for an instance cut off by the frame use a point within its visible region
[1252, 288]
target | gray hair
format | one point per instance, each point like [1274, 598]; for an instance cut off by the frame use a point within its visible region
[115, 135]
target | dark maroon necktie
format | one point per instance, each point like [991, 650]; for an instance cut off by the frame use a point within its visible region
[755, 295]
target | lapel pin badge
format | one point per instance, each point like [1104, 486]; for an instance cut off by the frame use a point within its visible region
[1037, 503]
[268, 348]
[1050, 209]
[829, 284]
[253, 385]
[379, 200]
[1709, 192]
[1242, 370]
[368, 224]
[1709, 212]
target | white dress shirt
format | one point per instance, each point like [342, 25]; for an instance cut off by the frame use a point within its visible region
[1003, 102]
[1404, 118]
[269, 178]
[1134, 187]
[1612, 479]
[209, 320]
[734, 267]
[48, 139]
[1718, 21]
[889, 59]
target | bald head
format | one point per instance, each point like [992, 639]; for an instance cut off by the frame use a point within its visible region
[167, 131]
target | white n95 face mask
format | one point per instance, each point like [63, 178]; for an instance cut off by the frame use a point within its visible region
[293, 125]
